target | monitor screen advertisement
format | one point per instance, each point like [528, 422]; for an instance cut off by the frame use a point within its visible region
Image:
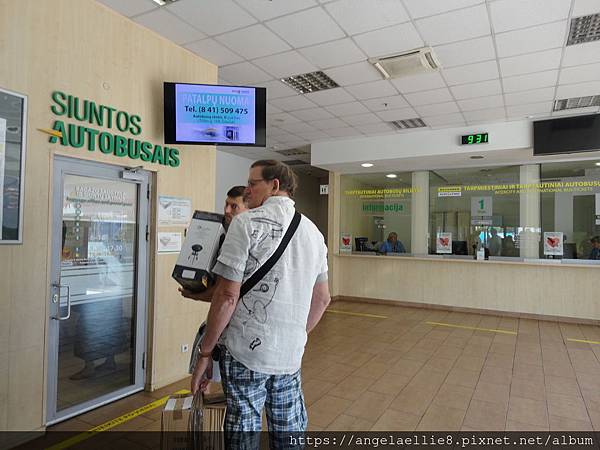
[211, 114]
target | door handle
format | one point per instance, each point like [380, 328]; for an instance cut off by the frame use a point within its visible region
[56, 299]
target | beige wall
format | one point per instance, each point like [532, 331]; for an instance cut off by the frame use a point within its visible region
[310, 202]
[82, 48]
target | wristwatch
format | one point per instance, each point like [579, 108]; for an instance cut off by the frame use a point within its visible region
[203, 354]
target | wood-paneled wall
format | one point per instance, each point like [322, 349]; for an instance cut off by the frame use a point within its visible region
[82, 48]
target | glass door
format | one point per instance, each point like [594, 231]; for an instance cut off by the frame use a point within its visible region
[97, 308]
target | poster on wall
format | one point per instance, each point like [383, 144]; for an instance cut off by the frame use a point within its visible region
[174, 211]
[443, 243]
[553, 243]
[168, 242]
[346, 243]
[13, 114]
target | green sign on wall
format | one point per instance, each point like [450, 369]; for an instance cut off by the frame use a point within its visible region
[90, 113]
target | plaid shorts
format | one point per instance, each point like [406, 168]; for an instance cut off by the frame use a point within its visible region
[247, 392]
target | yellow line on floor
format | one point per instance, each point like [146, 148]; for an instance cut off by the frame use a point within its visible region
[113, 422]
[334, 311]
[492, 330]
[584, 341]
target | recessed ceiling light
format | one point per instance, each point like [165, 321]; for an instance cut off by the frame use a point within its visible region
[163, 2]
[598, 163]
[367, 165]
[392, 175]
[310, 82]
[476, 157]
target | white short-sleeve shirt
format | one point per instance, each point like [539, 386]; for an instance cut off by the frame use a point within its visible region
[267, 332]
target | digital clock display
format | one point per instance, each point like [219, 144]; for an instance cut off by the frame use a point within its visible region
[479, 138]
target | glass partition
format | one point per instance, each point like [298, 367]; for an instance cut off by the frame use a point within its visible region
[570, 210]
[375, 213]
[474, 208]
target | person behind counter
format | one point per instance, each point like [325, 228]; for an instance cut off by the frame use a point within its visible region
[392, 244]
[595, 254]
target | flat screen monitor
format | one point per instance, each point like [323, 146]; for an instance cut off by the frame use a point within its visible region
[214, 114]
[566, 135]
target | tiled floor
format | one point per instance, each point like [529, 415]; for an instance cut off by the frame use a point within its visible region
[400, 373]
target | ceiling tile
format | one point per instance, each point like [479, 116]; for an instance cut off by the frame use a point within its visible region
[397, 114]
[582, 54]
[312, 135]
[533, 96]
[421, 82]
[280, 118]
[332, 54]
[353, 74]
[533, 62]
[422, 8]
[294, 28]
[253, 42]
[585, 7]
[455, 26]
[473, 90]
[471, 73]
[299, 128]
[376, 128]
[313, 114]
[343, 132]
[429, 97]
[541, 37]
[530, 81]
[362, 119]
[327, 124]
[276, 89]
[169, 26]
[578, 90]
[285, 64]
[444, 120]
[532, 109]
[374, 89]
[271, 109]
[390, 40]
[580, 74]
[359, 16]
[437, 109]
[214, 52]
[475, 104]
[244, 73]
[347, 109]
[382, 104]
[514, 14]
[130, 7]
[485, 115]
[212, 16]
[275, 132]
[292, 103]
[330, 97]
[466, 52]
[274, 8]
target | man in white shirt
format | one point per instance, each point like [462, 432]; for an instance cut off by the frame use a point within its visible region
[263, 334]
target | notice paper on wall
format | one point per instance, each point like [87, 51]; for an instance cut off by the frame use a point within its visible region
[168, 242]
[553, 243]
[443, 243]
[346, 243]
[174, 211]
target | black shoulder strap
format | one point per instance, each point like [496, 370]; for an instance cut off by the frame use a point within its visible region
[268, 265]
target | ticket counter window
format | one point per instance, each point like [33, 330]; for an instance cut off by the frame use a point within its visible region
[474, 208]
[570, 210]
[375, 212]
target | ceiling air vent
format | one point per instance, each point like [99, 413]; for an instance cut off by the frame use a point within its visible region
[310, 82]
[584, 29]
[576, 102]
[417, 61]
[293, 152]
[409, 123]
